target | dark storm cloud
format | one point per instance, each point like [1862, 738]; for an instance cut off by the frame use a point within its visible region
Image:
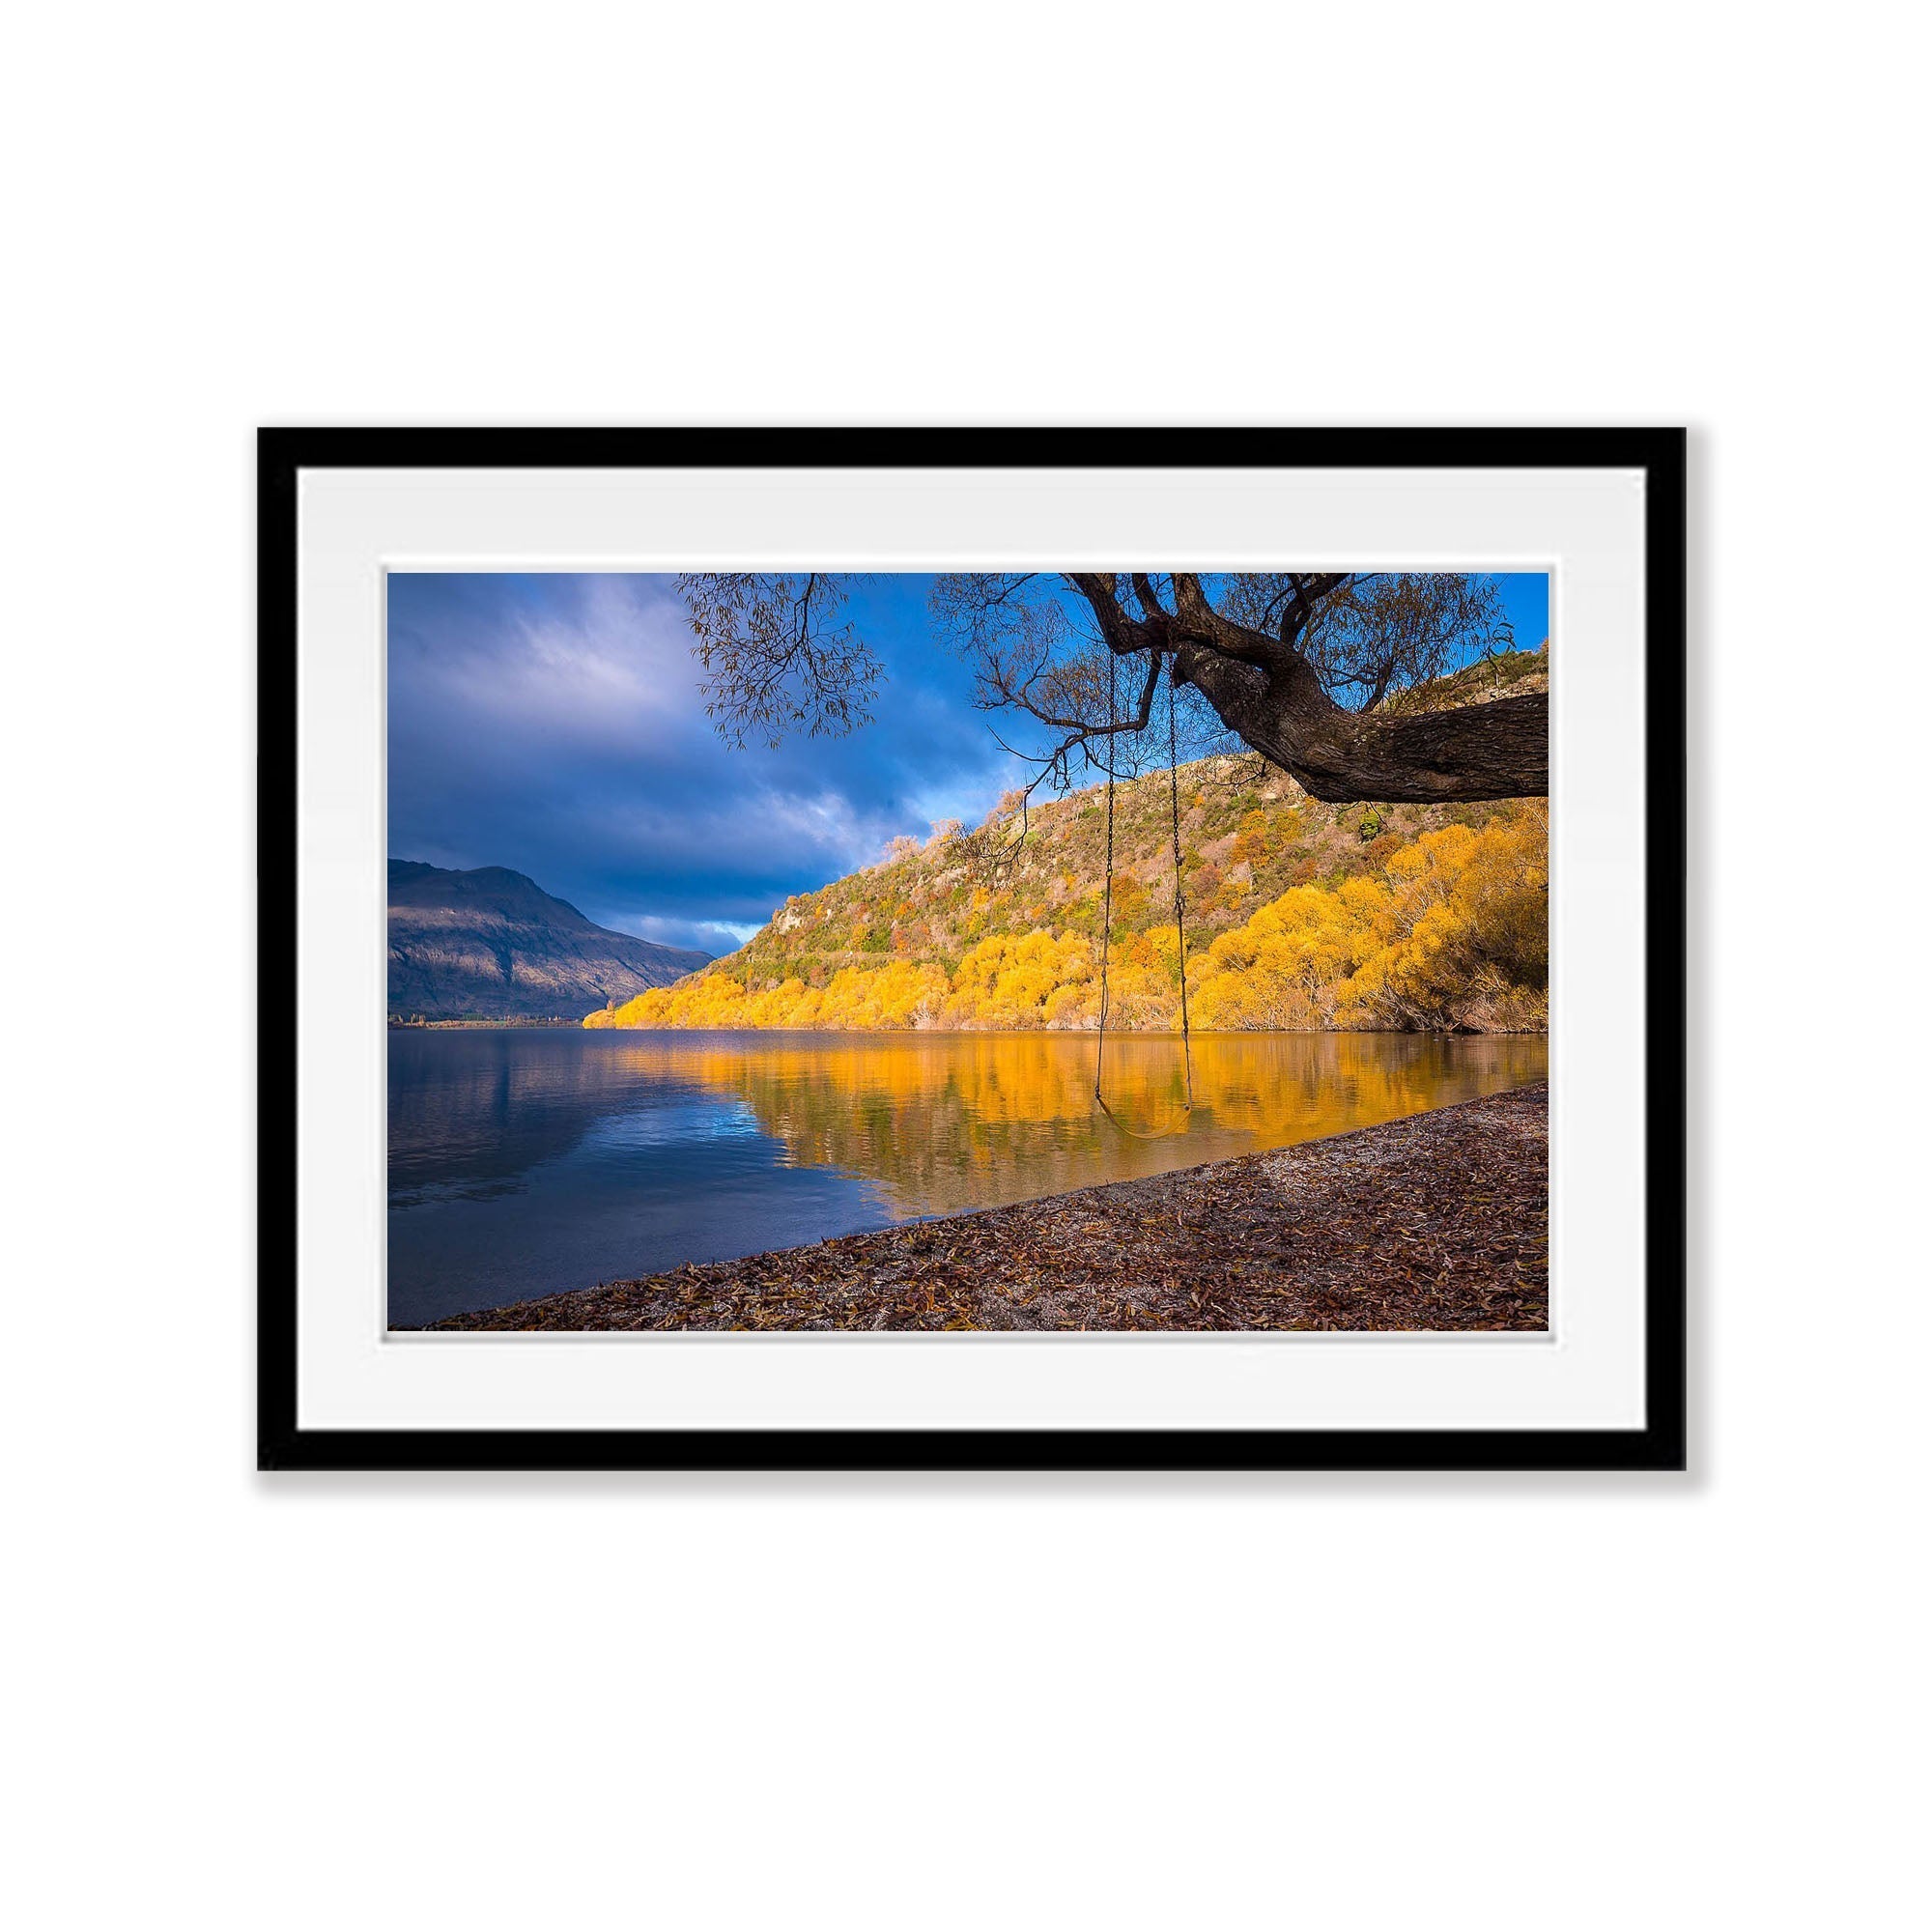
[554, 725]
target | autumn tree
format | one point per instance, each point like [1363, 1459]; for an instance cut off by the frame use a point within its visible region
[1450, 932]
[1305, 667]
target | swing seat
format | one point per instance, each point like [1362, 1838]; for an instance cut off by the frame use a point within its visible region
[1139, 1133]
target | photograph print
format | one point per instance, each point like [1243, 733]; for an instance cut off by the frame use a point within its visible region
[954, 955]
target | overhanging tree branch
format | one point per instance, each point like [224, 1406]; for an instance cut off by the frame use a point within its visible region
[1270, 655]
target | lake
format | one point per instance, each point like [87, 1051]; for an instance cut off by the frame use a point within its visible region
[527, 1161]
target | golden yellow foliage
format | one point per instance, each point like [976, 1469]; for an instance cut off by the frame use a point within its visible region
[1453, 934]
[1007, 979]
[1450, 932]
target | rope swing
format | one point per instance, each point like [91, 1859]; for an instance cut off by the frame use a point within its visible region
[1107, 913]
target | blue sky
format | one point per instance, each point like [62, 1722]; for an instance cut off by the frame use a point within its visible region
[554, 725]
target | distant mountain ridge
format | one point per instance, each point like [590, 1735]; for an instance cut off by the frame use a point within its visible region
[492, 944]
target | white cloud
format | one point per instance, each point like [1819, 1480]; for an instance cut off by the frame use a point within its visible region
[613, 670]
[706, 935]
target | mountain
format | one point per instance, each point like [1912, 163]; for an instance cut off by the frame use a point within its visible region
[1298, 914]
[493, 945]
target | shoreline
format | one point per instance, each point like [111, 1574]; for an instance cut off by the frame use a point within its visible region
[1114, 1031]
[1435, 1221]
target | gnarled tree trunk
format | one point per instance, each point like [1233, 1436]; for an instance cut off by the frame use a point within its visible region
[1498, 749]
[1266, 693]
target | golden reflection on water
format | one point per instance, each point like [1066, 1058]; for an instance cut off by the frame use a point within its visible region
[942, 1123]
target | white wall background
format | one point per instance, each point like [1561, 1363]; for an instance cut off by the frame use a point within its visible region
[1338, 1703]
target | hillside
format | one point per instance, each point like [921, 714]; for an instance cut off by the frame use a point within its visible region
[1298, 914]
[491, 944]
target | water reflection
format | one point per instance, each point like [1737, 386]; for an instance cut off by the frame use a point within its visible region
[522, 1162]
[950, 1121]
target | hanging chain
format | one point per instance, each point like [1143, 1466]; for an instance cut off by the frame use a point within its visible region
[1179, 903]
[1107, 890]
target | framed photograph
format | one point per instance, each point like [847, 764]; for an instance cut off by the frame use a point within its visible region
[972, 949]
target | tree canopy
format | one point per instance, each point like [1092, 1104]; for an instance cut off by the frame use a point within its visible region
[1310, 669]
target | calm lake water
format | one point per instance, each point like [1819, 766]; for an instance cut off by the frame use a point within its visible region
[525, 1162]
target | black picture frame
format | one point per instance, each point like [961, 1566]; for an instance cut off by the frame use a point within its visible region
[1659, 1444]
